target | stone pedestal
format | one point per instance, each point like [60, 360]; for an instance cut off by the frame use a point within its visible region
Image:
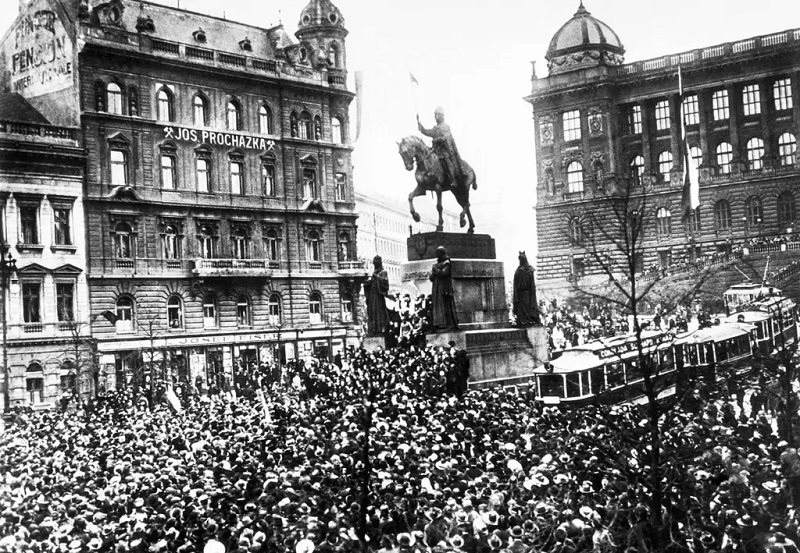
[499, 354]
[372, 343]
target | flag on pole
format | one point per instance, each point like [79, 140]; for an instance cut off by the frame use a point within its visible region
[691, 184]
[359, 101]
[413, 78]
[414, 91]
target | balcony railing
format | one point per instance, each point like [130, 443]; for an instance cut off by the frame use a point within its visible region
[61, 329]
[351, 267]
[232, 268]
[139, 266]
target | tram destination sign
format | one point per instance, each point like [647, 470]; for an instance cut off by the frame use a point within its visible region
[216, 138]
[630, 345]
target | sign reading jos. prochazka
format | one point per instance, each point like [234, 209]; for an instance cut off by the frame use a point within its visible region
[41, 60]
[216, 138]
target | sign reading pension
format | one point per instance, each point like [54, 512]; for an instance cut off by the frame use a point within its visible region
[41, 61]
[207, 136]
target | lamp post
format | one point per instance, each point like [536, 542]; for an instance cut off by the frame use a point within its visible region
[8, 266]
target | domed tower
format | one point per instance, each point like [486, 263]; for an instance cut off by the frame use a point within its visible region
[583, 41]
[321, 30]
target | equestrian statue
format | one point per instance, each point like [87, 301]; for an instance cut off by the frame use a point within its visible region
[439, 169]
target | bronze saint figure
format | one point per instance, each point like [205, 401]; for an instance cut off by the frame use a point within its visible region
[376, 289]
[526, 309]
[443, 302]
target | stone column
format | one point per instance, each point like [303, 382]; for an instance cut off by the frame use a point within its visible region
[646, 147]
[704, 105]
[675, 130]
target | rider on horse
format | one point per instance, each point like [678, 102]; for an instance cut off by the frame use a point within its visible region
[445, 147]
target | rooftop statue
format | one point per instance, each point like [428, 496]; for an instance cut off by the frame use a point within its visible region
[439, 169]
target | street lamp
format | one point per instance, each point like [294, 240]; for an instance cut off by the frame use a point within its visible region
[8, 265]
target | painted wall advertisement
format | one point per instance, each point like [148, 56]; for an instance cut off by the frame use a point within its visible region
[41, 60]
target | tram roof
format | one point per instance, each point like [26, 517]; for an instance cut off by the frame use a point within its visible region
[749, 317]
[715, 333]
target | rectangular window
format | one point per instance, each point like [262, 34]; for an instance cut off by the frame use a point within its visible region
[309, 184]
[168, 172]
[29, 224]
[633, 121]
[662, 115]
[571, 121]
[341, 187]
[237, 177]
[35, 390]
[268, 179]
[719, 105]
[751, 100]
[782, 91]
[691, 110]
[203, 180]
[119, 168]
[31, 302]
[65, 301]
[62, 233]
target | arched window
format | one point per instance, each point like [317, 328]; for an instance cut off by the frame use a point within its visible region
[347, 307]
[200, 106]
[786, 209]
[275, 309]
[123, 241]
[268, 179]
[210, 311]
[234, 115]
[203, 170]
[172, 249]
[722, 215]
[315, 308]
[305, 129]
[207, 242]
[264, 119]
[663, 221]
[34, 383]
[755, 151]
[574, 177]
[691, 220]
[336, 131]
[114, 99]
[786, 148]
[344, 247]
[577, 235]
[240, 246]
[313, 247]
[165, 102]
[335, 55]
[724, 158]
[243, 311]
[174, 312]
[637, 170]
[665, 165]
[125, 314]
[754, 215]
[273, 250]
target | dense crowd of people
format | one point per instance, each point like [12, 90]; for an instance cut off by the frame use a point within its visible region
[387, 453]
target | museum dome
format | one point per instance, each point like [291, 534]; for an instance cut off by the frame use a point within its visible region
[581, 41]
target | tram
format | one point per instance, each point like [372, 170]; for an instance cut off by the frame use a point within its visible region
[608, 370]
[740, 295]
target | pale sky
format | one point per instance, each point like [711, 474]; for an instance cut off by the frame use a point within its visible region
[473, 58]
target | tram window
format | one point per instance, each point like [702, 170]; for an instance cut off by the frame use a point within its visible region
[615, 374]
[667, 360]
[760, 331]
[632, 371]
[585, 391]
[722, 351]
[551, 385]
[598, 383]
[573, 385]
[690, 353]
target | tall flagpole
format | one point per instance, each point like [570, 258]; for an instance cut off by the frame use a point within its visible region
[414, 92]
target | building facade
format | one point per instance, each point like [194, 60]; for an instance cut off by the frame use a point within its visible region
[383, 228]
[220, 211]
[604, 126]
[47, 348]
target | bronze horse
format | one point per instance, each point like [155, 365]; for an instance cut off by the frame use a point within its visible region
[431, 176]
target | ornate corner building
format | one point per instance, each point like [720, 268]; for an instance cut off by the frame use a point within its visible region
[219, 205]
[603, 125]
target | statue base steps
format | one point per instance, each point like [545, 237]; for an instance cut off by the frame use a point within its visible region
[498, 356]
